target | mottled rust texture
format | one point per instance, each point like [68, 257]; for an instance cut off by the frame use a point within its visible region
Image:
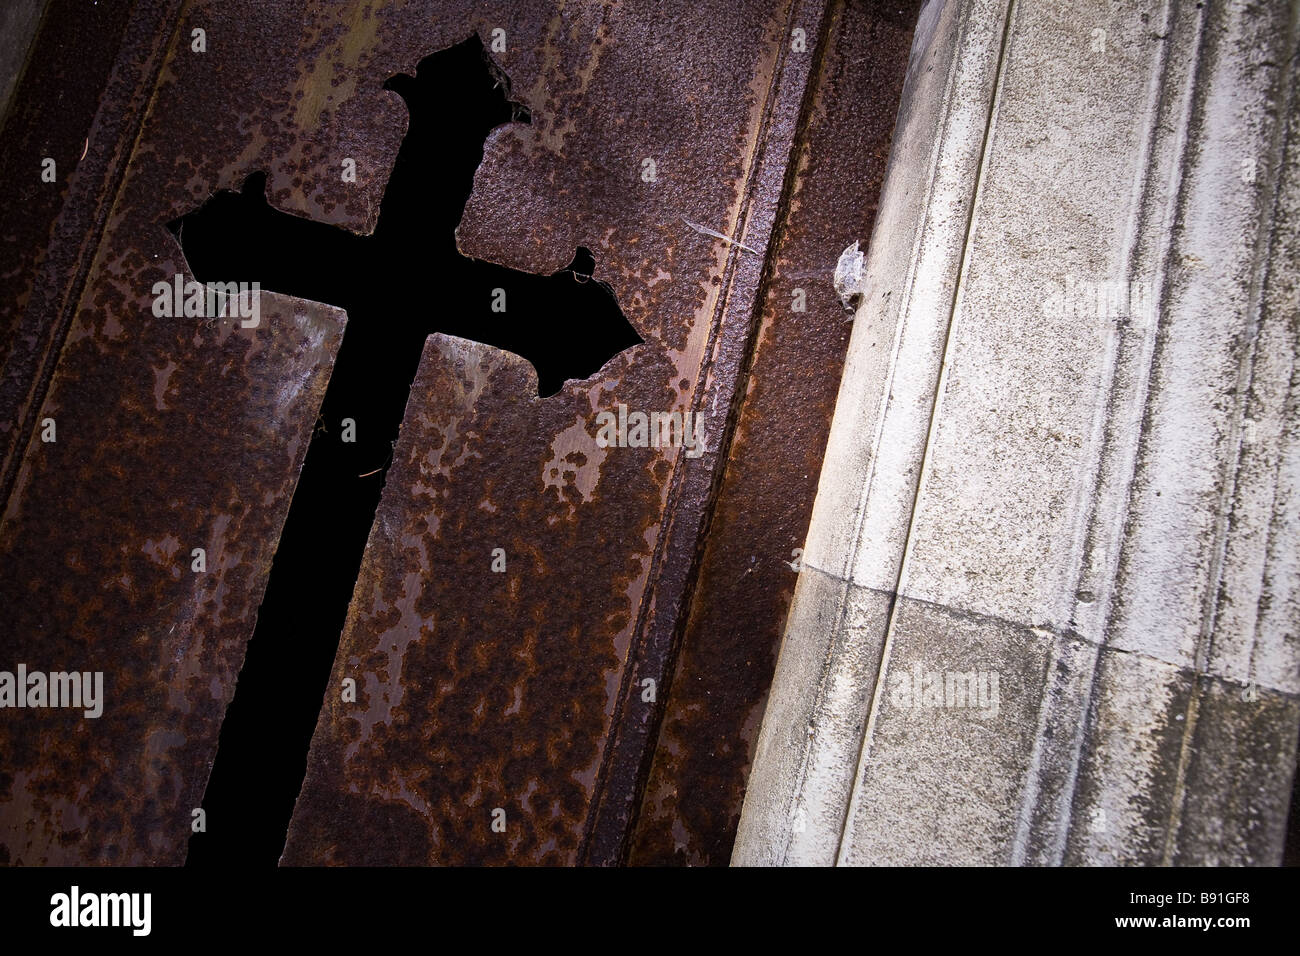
[722, 387]
[521, 690]
[71, 59]
[533, 702]
[88, 77]
[171, 434]
[478, 689]
[691, 805]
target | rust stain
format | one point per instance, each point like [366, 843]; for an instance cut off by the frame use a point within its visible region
[477, 690]
[42, 251]
[331, 77]
[691, 805]
[110, 587]
[531, 679]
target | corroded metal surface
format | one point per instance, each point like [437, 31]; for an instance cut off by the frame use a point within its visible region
[525, 691]
[692, 801]
[73, 55]
[721, 387]
[74, 91]
[209, 426]
[170, 435]
[478, 689]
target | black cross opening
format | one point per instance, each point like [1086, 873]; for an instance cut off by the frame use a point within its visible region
[398, 286]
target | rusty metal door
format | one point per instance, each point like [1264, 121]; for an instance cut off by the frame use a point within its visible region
[560, 635]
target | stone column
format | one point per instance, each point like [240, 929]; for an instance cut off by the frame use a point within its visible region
[1049, 611]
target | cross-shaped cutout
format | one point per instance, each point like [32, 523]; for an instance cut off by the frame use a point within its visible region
[399, 285]
[408, 280]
